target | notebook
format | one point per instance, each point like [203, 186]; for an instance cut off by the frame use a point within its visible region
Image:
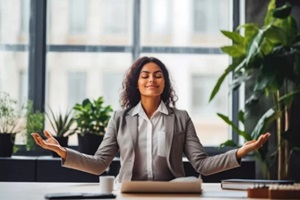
[175, 186]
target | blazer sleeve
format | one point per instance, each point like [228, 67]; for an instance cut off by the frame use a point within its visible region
[202, 163]
[95, 164]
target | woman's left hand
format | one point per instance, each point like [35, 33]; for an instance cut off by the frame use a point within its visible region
[252, 145]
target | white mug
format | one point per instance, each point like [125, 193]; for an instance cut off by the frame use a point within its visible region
[106, 184]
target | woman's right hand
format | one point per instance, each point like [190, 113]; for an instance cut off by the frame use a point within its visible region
[50, 143]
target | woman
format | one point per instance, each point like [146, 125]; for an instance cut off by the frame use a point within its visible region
[150, 133]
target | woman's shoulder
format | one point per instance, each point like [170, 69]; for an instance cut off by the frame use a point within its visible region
[179, 112]
[120, 113]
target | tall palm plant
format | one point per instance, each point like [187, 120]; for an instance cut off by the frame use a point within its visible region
[271, 56]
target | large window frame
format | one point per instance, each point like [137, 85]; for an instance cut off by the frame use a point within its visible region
[38, 49]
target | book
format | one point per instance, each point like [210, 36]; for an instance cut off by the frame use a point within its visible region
[280, 191]
[244, 184]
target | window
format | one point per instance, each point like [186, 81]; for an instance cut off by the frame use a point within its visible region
[112, 82]
[77, 16]
[115, 16]
[23, 96]
[201, 90]
[160, 17]
[205, 18]
[76, 87]
[211, 129]
[200, 17]
[25, 15]
[93, 42]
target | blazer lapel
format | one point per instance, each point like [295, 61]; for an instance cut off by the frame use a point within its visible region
[169, 122]
[132, 122]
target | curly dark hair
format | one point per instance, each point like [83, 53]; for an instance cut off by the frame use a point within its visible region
[131, 96]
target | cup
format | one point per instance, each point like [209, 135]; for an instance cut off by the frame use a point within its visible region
[106, 184]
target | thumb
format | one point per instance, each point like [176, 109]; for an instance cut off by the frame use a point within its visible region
[47, 134]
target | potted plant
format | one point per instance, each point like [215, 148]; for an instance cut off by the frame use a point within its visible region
[10, 124]
[91, 117]
[270, 56]
[61, 124]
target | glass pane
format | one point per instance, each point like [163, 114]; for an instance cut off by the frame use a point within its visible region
[84, 75]
[14, 21]
[77, 16]
[184, 23]
[194, 77]
[94, 22]
[14, 28]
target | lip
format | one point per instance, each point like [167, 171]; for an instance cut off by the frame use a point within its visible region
[151, 86]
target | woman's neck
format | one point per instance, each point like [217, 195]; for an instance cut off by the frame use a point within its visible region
[150, 105]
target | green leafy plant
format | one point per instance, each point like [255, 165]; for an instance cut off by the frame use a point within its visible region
[61, 122]
[92, 116]
[34, 123]
[269, 55]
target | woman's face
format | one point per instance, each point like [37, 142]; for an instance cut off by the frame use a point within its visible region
[151, 82]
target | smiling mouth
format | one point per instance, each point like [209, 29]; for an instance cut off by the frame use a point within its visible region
[152, 86]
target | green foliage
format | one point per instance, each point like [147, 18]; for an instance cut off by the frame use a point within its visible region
[271, 52]
[10, 115]
[34, 123]
[92, 116]
[61, 122]
[270, 55]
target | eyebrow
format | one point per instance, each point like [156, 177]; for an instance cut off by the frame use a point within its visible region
[153, 72]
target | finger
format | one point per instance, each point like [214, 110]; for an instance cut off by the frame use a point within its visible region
[265, 137]
[35, 135]
[47, 134]
[262, 139]
[42, 143]
[249, 142]
[37, 139]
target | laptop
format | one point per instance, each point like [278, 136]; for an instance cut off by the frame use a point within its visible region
[175, 186]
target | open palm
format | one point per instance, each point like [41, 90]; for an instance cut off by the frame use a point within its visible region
[50, 143]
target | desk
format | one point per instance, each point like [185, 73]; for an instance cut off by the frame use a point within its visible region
[37, 190]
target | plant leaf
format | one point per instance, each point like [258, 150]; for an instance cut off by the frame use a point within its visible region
[254, 46]
[264, 122]
[269, 14]
[234, 36]
[276, 36]
[234, 50]
[288, 98]
[229, 69]
[234, 127]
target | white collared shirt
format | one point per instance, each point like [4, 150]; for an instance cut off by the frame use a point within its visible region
[150, 160]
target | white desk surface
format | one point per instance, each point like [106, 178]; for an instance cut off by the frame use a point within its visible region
[37, 190]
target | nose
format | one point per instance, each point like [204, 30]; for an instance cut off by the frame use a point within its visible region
[151, 78]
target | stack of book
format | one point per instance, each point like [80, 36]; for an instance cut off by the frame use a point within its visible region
[244, 184]
[260, 188]
[275, 192]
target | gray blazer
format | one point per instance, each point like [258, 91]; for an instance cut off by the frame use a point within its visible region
[121, 135]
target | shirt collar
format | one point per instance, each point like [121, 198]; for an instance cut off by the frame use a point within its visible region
[138, 109]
